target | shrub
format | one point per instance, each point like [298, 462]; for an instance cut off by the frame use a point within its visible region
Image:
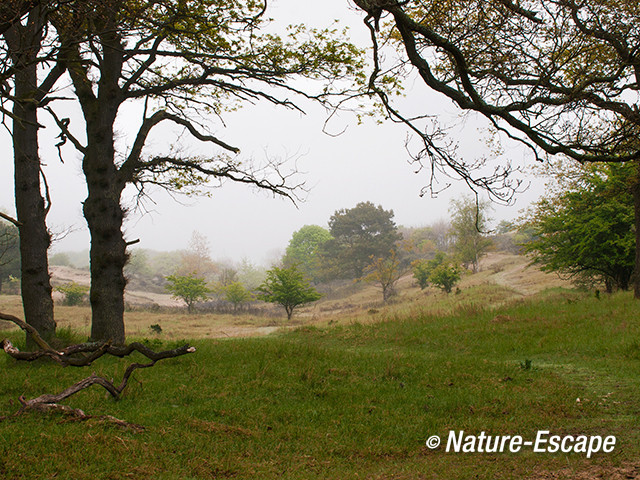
[73, 292]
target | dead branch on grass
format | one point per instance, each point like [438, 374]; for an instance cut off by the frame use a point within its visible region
[82, 355]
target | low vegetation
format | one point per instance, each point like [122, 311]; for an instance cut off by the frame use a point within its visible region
[354, 400]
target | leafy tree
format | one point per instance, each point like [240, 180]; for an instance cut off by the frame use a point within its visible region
[585, 229]
[305, 249]
[250, 275]
[422, 269]
[554, 75]
[180, 60]
[189, 288]
[386, 272]
[360, 233]
[197, 258]
[9, 252]
[445, 276]
[467, 225]
[288, 287]
[73, 292]
[236, 294]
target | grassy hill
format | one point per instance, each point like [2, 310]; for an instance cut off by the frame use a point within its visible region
[504, 277]
[355, 396]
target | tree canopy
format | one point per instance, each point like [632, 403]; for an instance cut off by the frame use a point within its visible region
[287, 287]
[555, 74]
[559, 76]
[468, 226]
[584, 230]
[305, 248]
[359, 234]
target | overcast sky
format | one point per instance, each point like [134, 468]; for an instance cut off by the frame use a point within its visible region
[367, 162]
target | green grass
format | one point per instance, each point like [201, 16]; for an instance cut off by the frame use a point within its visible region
[351, 401]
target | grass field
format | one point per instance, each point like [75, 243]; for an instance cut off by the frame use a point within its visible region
[356, 399]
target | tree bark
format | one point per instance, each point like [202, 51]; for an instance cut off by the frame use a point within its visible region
[102, 209]
[635, 191]
[104, 216]
[30, 203]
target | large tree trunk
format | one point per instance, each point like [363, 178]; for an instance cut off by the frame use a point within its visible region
[635, 191]
[102, 209]
[104, 216]
[30, 204]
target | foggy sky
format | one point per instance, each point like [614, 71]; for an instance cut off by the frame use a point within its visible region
[367, 162]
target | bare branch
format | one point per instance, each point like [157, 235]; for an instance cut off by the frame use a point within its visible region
[65, 133]
[128, 169]
[441, 156]
[157, 168]
[75, 413]
[10, 219]
[28, 329]
[69, 356]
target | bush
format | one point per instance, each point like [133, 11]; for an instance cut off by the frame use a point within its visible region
[73, 292]
[422, 269]
[445, 277]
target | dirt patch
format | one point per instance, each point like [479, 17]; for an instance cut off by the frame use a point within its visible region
[61, 275]
[593, 472]
[514, 271]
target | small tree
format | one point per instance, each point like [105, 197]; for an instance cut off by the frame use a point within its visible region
[422, 269]
[189, 288]
[288, 287]
[445, 276]
[236, 294]
[468, 223]
[386, 272]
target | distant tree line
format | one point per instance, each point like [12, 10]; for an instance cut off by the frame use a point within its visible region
[364, 243]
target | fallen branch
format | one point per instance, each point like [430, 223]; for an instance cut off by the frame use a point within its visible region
[48, 402]
[27, 328]
[76, 414]
[82, 355]
[74, 355]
